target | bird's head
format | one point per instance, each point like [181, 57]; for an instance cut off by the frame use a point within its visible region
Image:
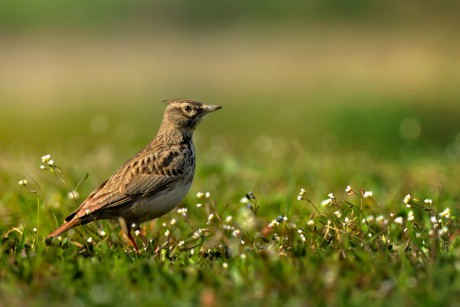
[184, 114]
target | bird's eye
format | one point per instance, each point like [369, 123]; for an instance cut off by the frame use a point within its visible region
[187, 109]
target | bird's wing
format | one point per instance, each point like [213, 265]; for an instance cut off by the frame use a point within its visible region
[147, 173]
[153, 172]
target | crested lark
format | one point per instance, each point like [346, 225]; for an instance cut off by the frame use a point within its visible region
[152, 182]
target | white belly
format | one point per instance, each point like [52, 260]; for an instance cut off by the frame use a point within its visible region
[152, 207]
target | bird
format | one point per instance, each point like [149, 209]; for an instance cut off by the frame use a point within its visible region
[153, 182]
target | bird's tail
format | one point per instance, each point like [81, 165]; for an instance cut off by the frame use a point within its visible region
[64, 227]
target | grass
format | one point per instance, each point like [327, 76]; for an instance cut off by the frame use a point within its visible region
[373, 244]
[316, 98]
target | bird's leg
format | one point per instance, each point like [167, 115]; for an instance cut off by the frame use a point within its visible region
[127, 232]
[130, 237]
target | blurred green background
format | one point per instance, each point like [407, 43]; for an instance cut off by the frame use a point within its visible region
[316, 95]
[85, 80]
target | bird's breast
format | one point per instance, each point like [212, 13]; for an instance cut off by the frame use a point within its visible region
[152, 207]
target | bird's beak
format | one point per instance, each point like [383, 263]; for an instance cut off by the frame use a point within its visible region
[210, 108]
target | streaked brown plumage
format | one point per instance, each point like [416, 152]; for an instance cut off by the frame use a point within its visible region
[154, 181]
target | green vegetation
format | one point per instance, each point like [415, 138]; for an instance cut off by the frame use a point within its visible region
[342, 121]
[357, 247]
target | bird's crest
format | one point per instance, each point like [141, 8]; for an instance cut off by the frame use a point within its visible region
[169, 101]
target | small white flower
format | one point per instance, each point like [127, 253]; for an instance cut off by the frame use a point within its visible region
[102, 233]
[370, 218]
[73, 195]
[328, 201]
[210, 217]
[410, 216]
[368, 194]
[46, 158]
[242, 242]
[87, 211]
[302, 194]
[433, 219]
[133, 225]
[23, 182]
[199, 194]
[225, 265]
[428, 201]
[42, 167]
[349, 190]
[311, 223]
[182, 211]
[34, 229]
[198, 233]
[302, 237]
[338, 214]
[228, 219]
[379, 219]
[50, 162]
[236, 233]
[137, 233]
[199, 205]
[228, 227]
[346, 220]
[399, 220]
[207, 194]
[445, 213]
[363, 221]
[444, 230]
[181, 243]
[167, 233]
[407, 199]
[89, 240]
[172, 222]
